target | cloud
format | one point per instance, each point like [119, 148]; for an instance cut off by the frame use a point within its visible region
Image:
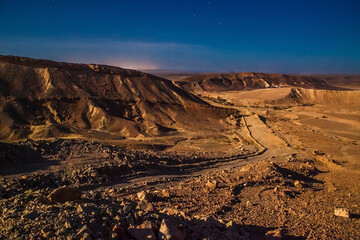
[127, 54]
[130, 64]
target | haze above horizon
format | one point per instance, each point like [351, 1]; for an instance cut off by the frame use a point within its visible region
[320, 36]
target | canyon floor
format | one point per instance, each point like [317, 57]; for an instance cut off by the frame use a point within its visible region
[283, 164]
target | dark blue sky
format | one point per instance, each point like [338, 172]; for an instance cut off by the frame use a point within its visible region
[291, 36]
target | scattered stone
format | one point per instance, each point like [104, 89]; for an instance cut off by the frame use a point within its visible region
[47, 234]
[86, 236]
[342, 212]
[170, 211]
[84, 230]
[142, 231]
[110, 211]
[211, 185]
[68, 225]
[114, 236]
[274, 234]
[165, 193]
[298, 184]
[83, 209]
[229, 224]
[144, 196]
[64, 194]
[169, 231]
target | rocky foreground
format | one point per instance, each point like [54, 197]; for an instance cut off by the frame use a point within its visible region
[284, 197]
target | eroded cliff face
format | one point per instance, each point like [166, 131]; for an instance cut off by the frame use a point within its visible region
[41, 99]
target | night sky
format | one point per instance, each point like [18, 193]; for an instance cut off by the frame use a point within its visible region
[289, 36]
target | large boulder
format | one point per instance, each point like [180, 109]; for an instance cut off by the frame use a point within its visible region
[170, 231]
[144, 196]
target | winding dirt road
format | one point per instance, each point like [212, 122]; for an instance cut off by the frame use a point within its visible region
[268, 143]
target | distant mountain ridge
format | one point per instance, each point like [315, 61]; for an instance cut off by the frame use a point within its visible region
[248, 81]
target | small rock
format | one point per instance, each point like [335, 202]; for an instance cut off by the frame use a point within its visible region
[274, 234]
[170, 211]
[47, 234]
[86, 236]
[342, 212]
[169, 231]
[211, 185]
[82, 209]
[85, 229]
[114, 236]
[144, 196]
[68, 225]
[165, 193]
[229, 224]
[298, 184]
[142, 231]
[64, 194]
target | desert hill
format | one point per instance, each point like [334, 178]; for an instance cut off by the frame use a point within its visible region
[41, 79]
[41, 98]
[248, 81]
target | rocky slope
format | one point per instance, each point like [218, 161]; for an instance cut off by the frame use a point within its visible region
[249, 80]
[41, 98]
[292, 196]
